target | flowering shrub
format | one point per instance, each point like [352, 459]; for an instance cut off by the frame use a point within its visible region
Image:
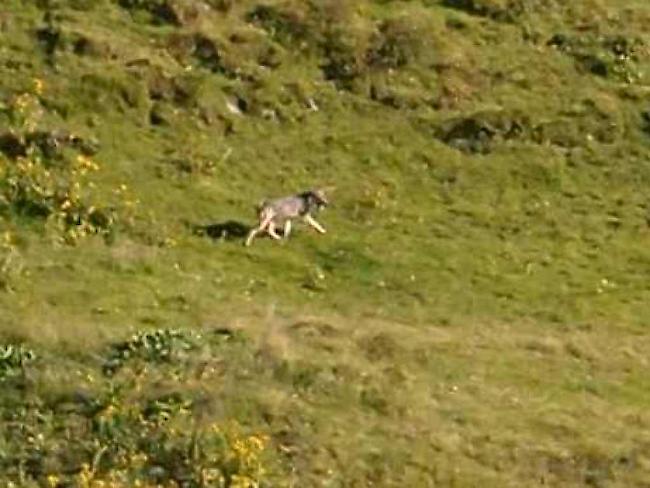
[159, 441]
[123, 430]
[28, 188]
[120, 443]
[46, 174]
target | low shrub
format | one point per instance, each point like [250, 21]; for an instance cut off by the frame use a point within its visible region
[161, 345]
[45, 174]
[112, 440]
[13, 360]
[609, 56]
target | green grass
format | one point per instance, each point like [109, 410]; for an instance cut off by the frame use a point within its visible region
[475, 316]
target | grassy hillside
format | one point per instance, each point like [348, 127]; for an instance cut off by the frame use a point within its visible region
[476, 315]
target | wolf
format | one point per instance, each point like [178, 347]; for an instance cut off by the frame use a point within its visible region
[280, 212]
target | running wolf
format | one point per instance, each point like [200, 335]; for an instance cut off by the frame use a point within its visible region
[279, 212]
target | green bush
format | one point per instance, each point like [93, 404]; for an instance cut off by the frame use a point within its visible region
[13, 359]
[125, 443]
[45, 175]
[161, 345]
[397, 43]
[286, 25]
[611, 56]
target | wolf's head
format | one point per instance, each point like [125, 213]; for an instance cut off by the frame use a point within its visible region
[317, 198]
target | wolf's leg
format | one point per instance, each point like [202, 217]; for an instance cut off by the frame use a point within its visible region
[310, 220]
[264, 224]
[271, 231]
[287, 228]
[251, 236]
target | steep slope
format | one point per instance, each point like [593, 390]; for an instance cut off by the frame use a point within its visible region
[481, 296]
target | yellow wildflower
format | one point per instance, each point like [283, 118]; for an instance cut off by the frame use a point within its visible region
[86, 163]
[241, 481]
[257, 442]
[85, 476]
[38, 86]
[52, 480]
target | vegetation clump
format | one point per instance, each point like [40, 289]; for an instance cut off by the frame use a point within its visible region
[121, 431]
[490, 166]
[477, 133]
[44, 174]
[287, 25]
[500, 10]
[613, 56]
[162, 345]
[13, 359]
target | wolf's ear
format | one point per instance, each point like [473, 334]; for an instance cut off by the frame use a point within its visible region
[325, 190]
[320, 194]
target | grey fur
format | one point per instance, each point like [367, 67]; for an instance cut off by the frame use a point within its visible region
[281, 211]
